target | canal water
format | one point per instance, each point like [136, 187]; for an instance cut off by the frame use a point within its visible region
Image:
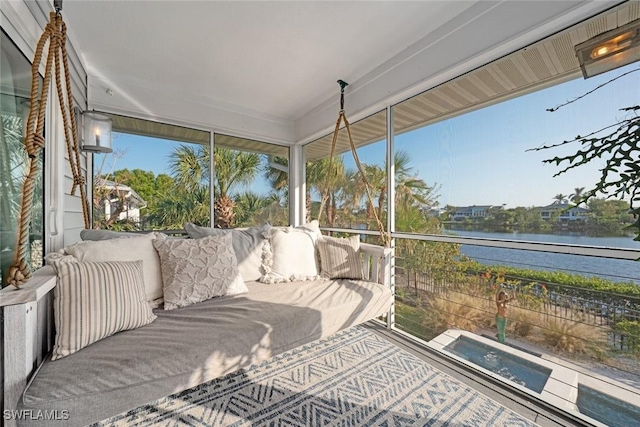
[611, 269]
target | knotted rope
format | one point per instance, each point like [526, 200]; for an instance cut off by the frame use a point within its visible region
[386, 238]
[55, 33]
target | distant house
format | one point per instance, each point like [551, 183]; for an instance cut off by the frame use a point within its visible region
[113, 198]
[563, 211]
[471, 212]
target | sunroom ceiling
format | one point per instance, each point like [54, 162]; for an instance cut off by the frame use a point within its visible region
[533, 67]
[267, 70]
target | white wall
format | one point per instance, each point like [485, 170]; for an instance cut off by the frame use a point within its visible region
[24, 21]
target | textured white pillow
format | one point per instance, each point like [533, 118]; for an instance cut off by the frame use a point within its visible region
[340, 258]
[247, 244]
[290, 255]
[93, 300]
[125, 249]
[195, 270]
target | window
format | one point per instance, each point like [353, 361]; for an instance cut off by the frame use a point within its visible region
[159, 177]
[472, 142]
[251, 183]
[15, 86]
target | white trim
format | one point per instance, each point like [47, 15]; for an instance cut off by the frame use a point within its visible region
[297, 180]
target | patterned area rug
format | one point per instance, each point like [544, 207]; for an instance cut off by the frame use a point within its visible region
[353, 378]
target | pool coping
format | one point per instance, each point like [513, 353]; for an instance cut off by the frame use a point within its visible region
[561, 388]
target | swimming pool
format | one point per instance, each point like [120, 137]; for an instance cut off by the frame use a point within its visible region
[607, 409]
[584, 394]
[509, 366]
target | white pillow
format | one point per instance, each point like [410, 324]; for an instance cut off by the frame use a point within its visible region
[93, 300]
[290, 255]
[195, 270]
[125, 249]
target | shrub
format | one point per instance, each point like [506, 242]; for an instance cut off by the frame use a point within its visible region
[522, 321]
[575, 338]
[630, 330]
[458, 310]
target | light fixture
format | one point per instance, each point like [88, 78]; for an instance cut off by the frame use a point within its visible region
[610, 50]
[96, 132]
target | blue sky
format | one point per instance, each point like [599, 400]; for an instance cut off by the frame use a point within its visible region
[477, 158]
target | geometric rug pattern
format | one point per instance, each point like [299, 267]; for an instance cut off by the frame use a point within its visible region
[352, 378]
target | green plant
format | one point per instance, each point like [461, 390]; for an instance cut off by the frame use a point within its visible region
[630, 330]
[575, 338]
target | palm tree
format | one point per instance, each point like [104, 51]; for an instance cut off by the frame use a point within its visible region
[560, 198]
[411, 190]
[190, 169]
[319, 181]
[233, 168]
[173, 210]
[249, 204]
[577, 195]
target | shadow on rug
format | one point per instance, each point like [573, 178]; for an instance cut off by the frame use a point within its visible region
[353, 378]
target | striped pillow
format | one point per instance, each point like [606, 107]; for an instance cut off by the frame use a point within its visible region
[340, 258]
[93, 300]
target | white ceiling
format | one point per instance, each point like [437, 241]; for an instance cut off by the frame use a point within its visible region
[268, 69]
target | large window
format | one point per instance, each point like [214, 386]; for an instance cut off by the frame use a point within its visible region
[492, 240]
[159, 177]
[15, 86]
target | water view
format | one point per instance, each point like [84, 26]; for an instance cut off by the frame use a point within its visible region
[610, 269]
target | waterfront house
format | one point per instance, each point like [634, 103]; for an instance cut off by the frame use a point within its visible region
[254, 83]
[474, 211]
[563, 212]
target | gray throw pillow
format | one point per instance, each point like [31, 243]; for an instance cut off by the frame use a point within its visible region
[93, 300]
[247, 244]
[340, 258]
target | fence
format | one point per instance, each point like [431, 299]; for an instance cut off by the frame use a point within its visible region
[532, 305]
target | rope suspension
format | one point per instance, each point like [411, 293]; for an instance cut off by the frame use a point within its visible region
[384, 235]
[56, 34]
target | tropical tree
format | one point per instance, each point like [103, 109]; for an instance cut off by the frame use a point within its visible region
[577, 195]
[173, 210]
[559, 198]
[321, 182]
[248, 205]
[618, 145]
[233, 168]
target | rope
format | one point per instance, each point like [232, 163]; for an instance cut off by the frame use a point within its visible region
[55, 33]
[386, 238]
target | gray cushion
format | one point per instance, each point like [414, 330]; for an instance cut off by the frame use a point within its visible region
[247, 244]
[88, 234]
[183, 348]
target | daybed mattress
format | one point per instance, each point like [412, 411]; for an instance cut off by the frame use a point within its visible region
[188, 346]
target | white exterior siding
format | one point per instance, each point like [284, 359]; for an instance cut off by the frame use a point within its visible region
[24, 21]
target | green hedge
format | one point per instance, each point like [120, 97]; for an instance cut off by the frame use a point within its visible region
[558, 281]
